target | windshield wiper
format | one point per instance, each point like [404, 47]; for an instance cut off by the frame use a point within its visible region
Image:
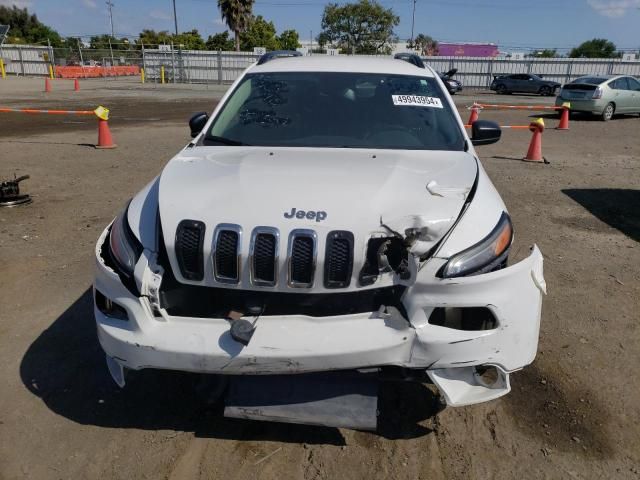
[225, 141]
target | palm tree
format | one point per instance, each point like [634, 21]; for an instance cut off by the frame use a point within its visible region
[237, 14]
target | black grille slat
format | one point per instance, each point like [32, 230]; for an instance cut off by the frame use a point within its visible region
[338, 262]
[189, 240]
[226, 255]
[302, 261]
[264, 258]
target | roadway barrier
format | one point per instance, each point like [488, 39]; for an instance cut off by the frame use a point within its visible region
[564, 116]
[104, 134]
[96, 72]
[48, 84]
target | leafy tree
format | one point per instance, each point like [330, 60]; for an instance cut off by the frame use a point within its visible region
[152, 38]
[546, 53]
[189, 40]
[361, 27]
[102, 42]
[259, 33]
[595, 48]
[289, 40]
[424, 44]
[238, 14]
[26, 28]
[220, 41]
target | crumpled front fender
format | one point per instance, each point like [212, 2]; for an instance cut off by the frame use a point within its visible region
[513, 294]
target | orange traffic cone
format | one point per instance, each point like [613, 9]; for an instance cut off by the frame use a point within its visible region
[76, 85]
[534, 154]
[474, 115]
[47, 85]
[104, 135]
[564, 117]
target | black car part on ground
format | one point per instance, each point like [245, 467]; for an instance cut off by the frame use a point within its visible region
[10, 195]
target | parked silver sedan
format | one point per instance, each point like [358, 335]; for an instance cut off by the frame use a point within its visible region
[602, 95]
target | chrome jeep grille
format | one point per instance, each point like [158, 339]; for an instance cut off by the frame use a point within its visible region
[264, 262]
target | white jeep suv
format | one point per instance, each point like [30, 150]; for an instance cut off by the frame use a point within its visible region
[331, 215]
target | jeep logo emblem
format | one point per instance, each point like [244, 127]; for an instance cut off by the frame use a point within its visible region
[309, 214]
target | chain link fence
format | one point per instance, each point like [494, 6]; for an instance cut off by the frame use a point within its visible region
[196, 66]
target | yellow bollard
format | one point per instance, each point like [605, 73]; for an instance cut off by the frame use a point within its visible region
[50, 72]
[3, 74]
[142, 75]
[162, 74]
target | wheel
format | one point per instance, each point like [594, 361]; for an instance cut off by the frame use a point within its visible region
[607, 113]
[545, 91]
[501, 88]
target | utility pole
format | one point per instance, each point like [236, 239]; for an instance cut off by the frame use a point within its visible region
[413, 20]
[175, 17]
[110, 5]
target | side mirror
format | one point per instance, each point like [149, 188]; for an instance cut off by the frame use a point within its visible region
[484, 132]
[197, 123]
[451, 72]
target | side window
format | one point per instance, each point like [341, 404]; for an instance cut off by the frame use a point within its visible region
[620, 84]
[633, 84]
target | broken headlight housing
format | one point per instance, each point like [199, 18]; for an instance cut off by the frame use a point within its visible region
[124, 247]
[484, 256]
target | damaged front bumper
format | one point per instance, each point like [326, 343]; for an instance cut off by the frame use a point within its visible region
[300, 344]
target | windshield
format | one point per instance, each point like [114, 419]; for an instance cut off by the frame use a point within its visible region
[592, 80]
[339, 110]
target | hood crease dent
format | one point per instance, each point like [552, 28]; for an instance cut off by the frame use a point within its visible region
[418, 193]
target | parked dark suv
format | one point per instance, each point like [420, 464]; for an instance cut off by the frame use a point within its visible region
[523, 83]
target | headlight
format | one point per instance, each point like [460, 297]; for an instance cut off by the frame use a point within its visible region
[124, 247]
[484, 255]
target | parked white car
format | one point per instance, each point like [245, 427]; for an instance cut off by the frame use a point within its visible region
[330, 215]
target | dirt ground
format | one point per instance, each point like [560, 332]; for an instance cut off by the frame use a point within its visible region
[575, 413]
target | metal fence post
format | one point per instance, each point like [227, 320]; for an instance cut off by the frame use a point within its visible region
[569, 65]
[219, 67]
[21, 59]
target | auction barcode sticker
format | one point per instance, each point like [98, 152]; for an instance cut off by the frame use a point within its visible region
[417, 101]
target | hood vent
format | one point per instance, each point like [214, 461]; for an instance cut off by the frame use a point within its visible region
[302, 258]
[189, 238]
[226, 253]
[338, 260]
[264, 256]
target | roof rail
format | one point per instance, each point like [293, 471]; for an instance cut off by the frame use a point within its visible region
[278, 54]
[411, 58]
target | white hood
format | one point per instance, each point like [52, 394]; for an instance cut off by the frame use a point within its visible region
[347, 189]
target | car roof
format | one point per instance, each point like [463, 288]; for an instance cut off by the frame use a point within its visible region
[342, 63]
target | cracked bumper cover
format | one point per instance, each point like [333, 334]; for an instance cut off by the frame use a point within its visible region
[297, 344]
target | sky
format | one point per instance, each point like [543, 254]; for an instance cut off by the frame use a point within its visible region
[513, 25]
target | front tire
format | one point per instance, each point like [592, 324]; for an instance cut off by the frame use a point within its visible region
[607, 113]
[501, 89]
[545, 91]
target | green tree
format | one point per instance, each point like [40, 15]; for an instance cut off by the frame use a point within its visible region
[26, 28]
[151, 38]
[220, 41]
[361, 27]
[424, 44]
[546, 53]
[259, 33]
[289, 40]
[102, 42]
[238, 14]
[595, 48]
[189, 40]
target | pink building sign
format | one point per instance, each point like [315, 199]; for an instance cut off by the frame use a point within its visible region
[467, 50]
